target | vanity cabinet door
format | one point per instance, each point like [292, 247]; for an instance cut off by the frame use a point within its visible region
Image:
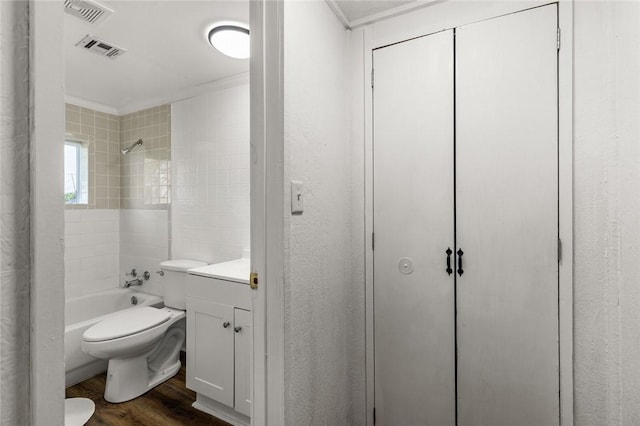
[243, 361]
[210, 363]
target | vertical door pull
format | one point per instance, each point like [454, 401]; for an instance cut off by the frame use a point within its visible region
[449, 253]
[460, 270]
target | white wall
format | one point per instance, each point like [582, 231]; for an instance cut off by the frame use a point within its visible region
[144, 243]
[210, 175]
[15, 214]
[92, 241]
[318, 383]
[606, 206]
[46, 102]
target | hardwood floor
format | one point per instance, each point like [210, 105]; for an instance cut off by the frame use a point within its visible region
[167, 404]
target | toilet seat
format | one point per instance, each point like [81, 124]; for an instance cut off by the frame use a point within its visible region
[126, 323]
[131, 343]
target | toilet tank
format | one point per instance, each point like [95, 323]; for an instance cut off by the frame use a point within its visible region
[174, 281]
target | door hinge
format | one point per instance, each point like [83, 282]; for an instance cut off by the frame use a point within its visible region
[253, 280]
[373, 241]
[559, 249]
[374, 415]
[372, 78]
[558, 38]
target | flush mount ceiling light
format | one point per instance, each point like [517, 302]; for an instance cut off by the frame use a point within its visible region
[231, 39]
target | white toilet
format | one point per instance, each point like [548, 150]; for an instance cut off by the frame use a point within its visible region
[143, 344]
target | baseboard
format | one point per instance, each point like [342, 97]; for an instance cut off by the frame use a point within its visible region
[220, 411]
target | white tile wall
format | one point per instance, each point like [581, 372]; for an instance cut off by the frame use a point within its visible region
[91, 251]
[144, 243]
[210, 179]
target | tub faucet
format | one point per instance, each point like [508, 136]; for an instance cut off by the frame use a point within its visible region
[133, 282]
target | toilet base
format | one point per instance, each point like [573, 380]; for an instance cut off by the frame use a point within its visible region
[130, 378]
[164, 375]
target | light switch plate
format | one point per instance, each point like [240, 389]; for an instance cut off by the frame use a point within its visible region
[296, 197]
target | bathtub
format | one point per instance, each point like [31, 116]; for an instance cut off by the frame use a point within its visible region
[83, 312]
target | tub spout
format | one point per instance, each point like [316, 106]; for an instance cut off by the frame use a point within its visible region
[133, 282]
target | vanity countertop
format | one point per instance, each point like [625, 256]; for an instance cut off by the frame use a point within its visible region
[234, 270]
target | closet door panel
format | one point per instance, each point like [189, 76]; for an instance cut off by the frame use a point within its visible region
[413, 223]
[507, 220]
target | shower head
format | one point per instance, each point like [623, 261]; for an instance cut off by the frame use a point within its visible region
[130, 148]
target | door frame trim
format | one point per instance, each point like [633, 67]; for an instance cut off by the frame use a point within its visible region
[46, 78]
[267, 210]
[565, 206]
[565, 184]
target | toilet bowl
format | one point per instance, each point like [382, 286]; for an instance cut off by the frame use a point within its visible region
[143, 344]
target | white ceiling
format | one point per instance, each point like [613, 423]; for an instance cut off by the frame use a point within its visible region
[167, 54]
[358, 9]
[168, 57]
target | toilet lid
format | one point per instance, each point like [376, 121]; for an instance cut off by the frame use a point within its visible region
[126, 323]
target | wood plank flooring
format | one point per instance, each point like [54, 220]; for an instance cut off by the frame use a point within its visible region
[168, 404]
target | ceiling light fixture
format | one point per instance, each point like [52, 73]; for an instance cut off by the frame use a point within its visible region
[230, 39]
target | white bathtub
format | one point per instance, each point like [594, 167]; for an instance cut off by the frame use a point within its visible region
[80, 314]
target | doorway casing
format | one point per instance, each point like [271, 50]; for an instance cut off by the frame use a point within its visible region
[47, 211]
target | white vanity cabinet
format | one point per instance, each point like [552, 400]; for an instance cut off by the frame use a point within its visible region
[210, 350]
[219, 344]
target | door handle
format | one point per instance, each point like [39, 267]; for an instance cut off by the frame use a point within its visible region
[237, 329]
[449, 253]
[226, 324]
[460, 270]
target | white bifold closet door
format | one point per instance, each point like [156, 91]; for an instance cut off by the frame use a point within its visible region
[507, 220]
[413, 223]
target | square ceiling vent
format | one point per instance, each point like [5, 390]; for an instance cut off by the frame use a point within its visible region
[100, 47]
[87, 10]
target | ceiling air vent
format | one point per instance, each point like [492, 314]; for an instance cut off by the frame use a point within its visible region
[87, 10]
[100, 47]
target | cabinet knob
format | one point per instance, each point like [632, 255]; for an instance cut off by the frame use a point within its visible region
[237, 329]
[226, 324]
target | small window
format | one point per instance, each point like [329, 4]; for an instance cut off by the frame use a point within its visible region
[76, 172]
